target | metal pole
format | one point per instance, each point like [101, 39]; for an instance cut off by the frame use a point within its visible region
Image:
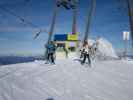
[74, 28]
[90, 14]
[51, 30]
[52, 25]
[130, 14]
[125, 51]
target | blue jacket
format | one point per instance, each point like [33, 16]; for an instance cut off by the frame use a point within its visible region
[51, 48]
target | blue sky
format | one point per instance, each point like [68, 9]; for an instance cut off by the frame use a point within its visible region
[16, 37]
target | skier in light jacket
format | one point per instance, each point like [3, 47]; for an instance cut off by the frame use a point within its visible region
[86, 53]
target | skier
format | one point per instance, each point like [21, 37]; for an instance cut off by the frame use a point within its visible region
[82, 51]
[51, 52]
[86, 53]
[94, 48]
[97, 43]
[66, 52]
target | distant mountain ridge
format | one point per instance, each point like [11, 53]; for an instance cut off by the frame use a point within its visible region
[5, 60]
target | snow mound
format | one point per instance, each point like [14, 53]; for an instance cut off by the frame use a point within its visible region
[105, 49]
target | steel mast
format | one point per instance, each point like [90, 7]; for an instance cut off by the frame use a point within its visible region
[89, 18]
[67, 4]
[75, 9]
[130, 14]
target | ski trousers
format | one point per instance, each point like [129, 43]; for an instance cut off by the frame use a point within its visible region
[84, 59]
[50, 57]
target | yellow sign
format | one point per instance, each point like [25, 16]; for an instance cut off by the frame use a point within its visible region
[72, 37]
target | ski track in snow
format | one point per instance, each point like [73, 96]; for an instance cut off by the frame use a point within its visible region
[67, 80]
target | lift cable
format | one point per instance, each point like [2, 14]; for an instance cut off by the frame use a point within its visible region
[24, 21]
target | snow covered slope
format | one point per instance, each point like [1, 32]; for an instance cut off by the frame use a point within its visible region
[67, 80]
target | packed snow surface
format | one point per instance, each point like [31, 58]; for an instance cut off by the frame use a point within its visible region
[67, 80]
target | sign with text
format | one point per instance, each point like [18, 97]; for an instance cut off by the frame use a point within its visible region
[72, 37]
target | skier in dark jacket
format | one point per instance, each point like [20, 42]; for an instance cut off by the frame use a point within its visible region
[51, 48]
[82, 50]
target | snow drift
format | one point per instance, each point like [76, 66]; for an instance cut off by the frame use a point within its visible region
[104, 50]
